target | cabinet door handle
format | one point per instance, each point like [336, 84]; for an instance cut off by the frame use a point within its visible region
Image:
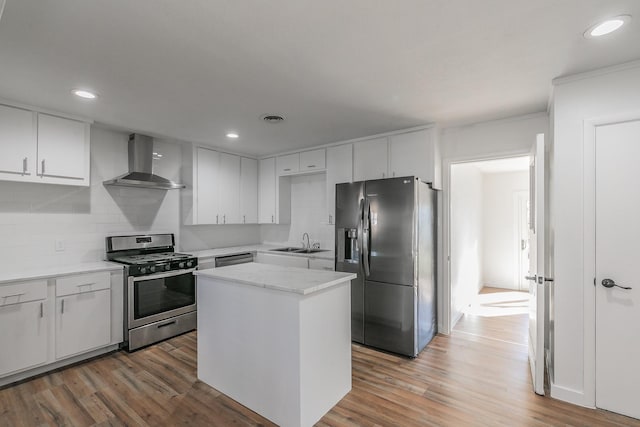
[224, 219]
[14, 295]
[216, 219]
[62, 307]
[272, 218]
[244, 219]
[42, 168]
[287, 169]
[394, 174]
[330, 219]
[383, 174]
[311, 166]
[24, 165]
[41, 310]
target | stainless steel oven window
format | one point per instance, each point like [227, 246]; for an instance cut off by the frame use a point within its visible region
[158, 296]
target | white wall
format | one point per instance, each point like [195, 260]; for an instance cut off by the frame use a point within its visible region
[466, 237]
[33, 216]
[606, 93]
[499, 228]
[308, 207]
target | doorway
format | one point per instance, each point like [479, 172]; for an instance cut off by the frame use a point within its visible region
[489, 202]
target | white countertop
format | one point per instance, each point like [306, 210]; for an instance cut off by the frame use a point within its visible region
[287, 279]
[9, 275]
[266, 248]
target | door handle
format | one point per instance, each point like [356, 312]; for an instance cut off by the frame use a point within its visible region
[609, 283]
[365, 237]
[534, 278]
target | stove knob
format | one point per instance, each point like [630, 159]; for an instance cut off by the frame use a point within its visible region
[181, 265]
[167, 267]
[143, 270]
[189, 264]
[152, 269]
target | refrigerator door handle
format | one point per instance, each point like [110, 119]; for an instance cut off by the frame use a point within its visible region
[366, 211]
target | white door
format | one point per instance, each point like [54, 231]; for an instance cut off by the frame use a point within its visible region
[248, 190]
[228, 189]
[267, 191]
[339, 169]
[17, 142]
[617, 256]
[370, 159]
[536, 265]
[206, 190]
[62, 147]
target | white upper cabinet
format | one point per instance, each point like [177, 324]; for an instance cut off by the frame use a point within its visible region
[409, 154]
[63, 151]
[415, 154]
[205, 187]
[267, 191]
[339, 170]
[36, 147]
[229, 189]
[370, 159]
[404, 154]
[224, 188]
[312, 160]
[248, 191]
[289, 164]
[17, 143]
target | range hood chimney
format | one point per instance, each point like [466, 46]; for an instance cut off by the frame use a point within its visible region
[141, 167]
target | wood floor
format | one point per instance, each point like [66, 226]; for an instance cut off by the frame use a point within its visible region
[478, 376]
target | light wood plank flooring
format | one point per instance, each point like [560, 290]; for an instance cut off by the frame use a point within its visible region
[478, 376]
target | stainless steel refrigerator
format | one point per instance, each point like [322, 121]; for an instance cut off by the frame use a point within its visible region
[385, 232]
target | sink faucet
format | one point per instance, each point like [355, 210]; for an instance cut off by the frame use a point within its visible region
[308, 243]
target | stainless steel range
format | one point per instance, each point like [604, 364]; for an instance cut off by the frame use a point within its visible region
[160, 289]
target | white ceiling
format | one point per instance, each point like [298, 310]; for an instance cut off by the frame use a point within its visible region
[193, 70]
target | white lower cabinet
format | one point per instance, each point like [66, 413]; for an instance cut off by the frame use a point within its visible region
[284, 260]
[83, 313]
[83, 322]
[321, 264]
[47, 322]
[295, 261]
[24, 321]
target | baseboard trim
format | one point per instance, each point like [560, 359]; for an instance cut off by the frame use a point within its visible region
[20, 376]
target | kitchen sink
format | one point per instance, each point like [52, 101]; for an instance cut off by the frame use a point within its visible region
[299, 250]
[310, 251]
[289, 249]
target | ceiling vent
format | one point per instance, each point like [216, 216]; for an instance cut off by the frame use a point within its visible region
[272, 118]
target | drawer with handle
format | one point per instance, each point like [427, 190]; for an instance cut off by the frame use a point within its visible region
[23, 292]
[82, 283]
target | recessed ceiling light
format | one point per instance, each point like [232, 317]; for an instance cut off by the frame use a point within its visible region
[606, 27]
[84, 94]
[232, 135]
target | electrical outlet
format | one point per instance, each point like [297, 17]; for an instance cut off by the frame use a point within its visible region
[59, 245]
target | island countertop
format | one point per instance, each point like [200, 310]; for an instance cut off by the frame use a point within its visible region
[287, 279]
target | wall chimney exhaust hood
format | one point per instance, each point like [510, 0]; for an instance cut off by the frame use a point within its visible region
[141, 167]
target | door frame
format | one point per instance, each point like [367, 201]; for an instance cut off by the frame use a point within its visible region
[444, 273]
[518, 198]
[589, 252]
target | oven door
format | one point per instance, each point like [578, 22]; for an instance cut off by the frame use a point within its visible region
[160, 296]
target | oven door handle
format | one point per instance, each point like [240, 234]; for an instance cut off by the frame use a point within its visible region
[161, 275]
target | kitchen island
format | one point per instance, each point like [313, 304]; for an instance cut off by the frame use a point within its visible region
[276, 339]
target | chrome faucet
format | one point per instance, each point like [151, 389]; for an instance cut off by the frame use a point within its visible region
[308, 242]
